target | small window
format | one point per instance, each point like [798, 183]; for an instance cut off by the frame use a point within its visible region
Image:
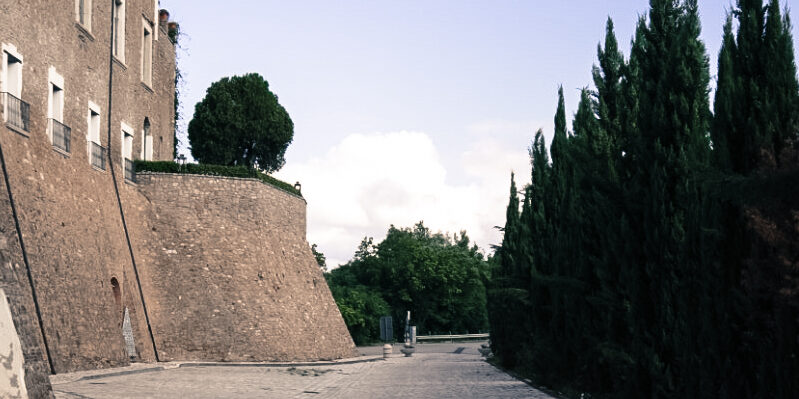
[60, 134]
[83, 13]
[127, 152]
[116, 291]
[15, 111]
[57, 104]
[119, 29]
[147, 54]
[147, 142]
[95, 150]
[12, 72]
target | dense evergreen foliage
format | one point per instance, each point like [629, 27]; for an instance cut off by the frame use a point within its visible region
[241, 123]
[623, 269]
[440, 279]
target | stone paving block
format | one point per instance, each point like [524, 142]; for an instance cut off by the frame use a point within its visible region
[433, 372]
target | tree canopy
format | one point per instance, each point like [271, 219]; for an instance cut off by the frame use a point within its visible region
[240, 122]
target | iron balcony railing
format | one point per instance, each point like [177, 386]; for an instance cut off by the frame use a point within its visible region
[61, 134]
[97, 155]
[130, 171]
[18, 112]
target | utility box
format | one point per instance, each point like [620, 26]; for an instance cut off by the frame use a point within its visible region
[386, 329]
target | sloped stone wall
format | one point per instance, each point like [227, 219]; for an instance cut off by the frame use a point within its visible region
[228, 274]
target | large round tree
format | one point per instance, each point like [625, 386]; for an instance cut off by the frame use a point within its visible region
[240, 122]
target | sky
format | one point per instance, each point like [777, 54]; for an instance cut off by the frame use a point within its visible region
[408, 111]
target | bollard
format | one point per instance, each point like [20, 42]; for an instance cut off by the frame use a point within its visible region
[408, 350]
[387, 348]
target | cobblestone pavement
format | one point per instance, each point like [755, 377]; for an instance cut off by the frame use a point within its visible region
[436, 371]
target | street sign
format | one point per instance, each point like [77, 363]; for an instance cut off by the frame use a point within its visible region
[386, 329]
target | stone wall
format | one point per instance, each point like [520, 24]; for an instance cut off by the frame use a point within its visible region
[17, 289]
[224, 266]
[69, 213]
[228, 274]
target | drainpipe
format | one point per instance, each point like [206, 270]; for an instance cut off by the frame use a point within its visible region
[116, 185]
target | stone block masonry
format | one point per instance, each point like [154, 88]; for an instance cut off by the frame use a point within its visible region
[228, 274]
[16, 288]
[69, 235]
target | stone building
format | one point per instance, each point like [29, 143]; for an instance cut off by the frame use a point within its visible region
[190, 267]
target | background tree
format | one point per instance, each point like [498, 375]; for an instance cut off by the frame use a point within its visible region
[240, 122]
[439, 278]
[321, 260]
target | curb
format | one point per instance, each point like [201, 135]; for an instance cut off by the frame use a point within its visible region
[307, 364]
[117, 373]
[98, 374]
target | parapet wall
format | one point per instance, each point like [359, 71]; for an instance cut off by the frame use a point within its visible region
[228, 274]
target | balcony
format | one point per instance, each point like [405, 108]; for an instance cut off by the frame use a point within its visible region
[18, 112]
[130, 171]
[61, 135]
[97, 155]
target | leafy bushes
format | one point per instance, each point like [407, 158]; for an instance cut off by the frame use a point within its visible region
[361, 307]
[440, 279]
[213, 170]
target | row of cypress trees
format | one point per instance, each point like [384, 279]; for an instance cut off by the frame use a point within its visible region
[619, 273]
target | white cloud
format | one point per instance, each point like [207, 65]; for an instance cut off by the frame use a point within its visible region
[368, 182]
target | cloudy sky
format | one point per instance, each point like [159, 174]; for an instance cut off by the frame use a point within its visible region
[408, 110]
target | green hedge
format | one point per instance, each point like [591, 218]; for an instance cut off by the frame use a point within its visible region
[213, 170]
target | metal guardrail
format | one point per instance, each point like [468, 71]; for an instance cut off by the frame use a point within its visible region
[130, 171]
[451, 337]
[61, 134]
[18, 112]
[98, 155]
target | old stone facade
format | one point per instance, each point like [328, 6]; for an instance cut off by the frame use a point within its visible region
[80, 242]
[230, 276]
[61, 142]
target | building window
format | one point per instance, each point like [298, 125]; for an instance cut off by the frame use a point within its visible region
[147, 142]
[15, 111]
[83, 13]
[127, 152]
[60, 134]
[95, 151]
[119, 29]
[147, 54]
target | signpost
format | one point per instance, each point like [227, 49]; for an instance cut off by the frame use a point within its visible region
[386, 329]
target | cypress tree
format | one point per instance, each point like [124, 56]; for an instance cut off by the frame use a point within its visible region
[617, 274]
[672, 126]
[724, 133]
[501, 306]
[781, 84]
[758, 96]
[750, 132]
[558, 149]
[608, 81]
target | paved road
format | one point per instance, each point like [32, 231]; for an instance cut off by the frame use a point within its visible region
[435, 371]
